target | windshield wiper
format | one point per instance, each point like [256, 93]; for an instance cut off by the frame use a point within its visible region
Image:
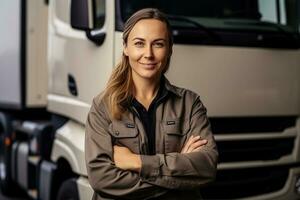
[211, 34]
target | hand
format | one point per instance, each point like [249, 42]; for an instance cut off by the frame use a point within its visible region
[194, 143]
[127, 160]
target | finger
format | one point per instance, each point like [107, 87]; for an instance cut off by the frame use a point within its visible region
[185, 147]
[196, 144]
[193, 140]
[203, 143]
[197, 149]
[190, 141]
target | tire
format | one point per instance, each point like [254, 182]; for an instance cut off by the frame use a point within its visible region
[68, 190]
[6, 183]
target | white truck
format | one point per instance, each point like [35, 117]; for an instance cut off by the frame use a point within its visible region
[242, 57]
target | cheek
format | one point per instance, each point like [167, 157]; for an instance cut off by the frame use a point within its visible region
[133, 54]
[162, 55]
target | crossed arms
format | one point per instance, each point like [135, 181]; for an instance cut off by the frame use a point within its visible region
[115, 171]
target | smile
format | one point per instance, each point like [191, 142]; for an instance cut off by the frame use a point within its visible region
[148, 64]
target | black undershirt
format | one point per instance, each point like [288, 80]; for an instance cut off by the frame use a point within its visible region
[147, 117]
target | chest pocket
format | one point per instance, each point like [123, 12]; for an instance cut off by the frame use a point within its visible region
[125, 134]
[175, 132]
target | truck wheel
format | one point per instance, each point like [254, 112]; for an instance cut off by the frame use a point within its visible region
[5, 154]
[68, 190]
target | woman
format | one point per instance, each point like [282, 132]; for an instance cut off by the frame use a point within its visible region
[145, 138]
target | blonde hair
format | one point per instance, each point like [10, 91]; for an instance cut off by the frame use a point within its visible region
[120, 88]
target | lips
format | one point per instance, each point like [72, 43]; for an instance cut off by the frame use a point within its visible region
[149, 65]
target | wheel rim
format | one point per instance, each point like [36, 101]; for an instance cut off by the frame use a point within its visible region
[2, 158]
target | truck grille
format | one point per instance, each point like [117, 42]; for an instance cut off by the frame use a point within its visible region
[240, 183]
[251, 150]
[249, 156]
[250, 124]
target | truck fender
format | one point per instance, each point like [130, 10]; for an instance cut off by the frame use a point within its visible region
[62, 150]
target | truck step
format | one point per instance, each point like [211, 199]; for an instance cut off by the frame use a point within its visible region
[34, 160]
[33, 193]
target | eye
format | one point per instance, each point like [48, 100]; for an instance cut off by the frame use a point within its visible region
[139, 44]
[159, 44]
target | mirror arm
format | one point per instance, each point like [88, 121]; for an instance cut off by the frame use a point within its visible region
[96, 36]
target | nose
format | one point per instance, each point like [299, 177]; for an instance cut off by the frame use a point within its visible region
[148, 52]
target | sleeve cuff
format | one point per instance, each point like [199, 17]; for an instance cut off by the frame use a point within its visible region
[150, 167]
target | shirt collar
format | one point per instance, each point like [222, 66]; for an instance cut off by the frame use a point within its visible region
[170, 87]
[165, 88]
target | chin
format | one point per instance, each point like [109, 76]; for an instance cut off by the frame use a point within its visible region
[150, 75]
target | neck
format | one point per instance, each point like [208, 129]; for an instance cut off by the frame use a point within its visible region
[146, 90]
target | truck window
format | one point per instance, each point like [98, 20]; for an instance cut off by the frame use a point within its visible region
[60, 11]
[255, 23]
[99, 13]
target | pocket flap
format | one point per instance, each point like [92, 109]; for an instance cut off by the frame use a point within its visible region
[120, 129]
[172, 127]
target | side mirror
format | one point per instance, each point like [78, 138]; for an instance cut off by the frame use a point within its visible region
[82, 18]
[81, 14]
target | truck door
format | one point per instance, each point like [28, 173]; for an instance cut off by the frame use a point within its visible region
[80, 62]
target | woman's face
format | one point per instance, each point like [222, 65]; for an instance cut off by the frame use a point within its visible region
[147, 48]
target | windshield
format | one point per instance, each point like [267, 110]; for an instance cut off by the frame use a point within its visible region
[224, 17]
[228, 14]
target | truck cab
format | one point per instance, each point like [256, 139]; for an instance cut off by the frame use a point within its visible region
[241, 57]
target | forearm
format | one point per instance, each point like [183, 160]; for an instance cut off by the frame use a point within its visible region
[195, 167]
[104, 176]
[123, 184]
[179, 171]
[126, 160]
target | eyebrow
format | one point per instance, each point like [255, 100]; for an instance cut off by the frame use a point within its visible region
[142, 39]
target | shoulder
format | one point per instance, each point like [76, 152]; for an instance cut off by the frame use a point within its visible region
[100, 106]
[99, 101]
[184, 93]
[187, 98]
[186, 102]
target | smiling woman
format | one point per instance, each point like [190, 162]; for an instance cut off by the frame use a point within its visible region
[145, 138]
[146, 47]
[147, 51]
